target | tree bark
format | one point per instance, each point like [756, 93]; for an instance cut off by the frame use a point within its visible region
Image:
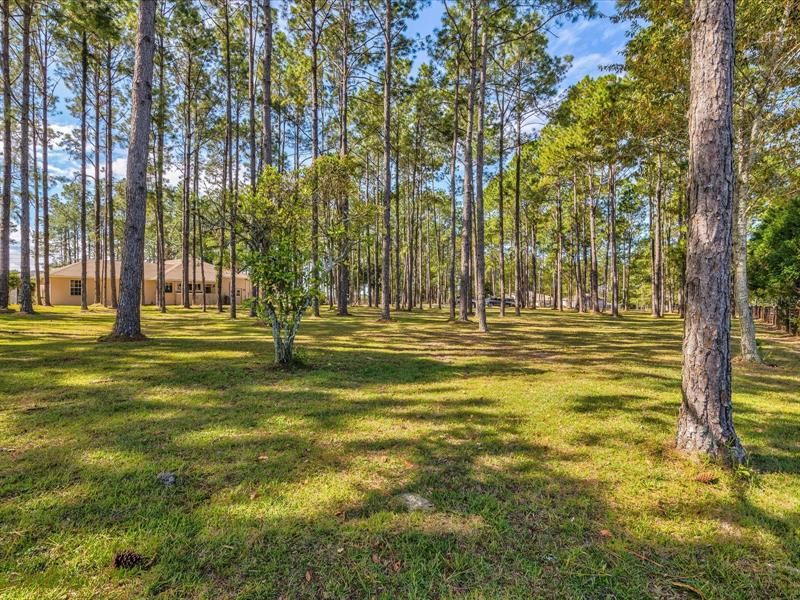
[314, 153]
[517, 215]
[84, 77]
[5, 210]
[576, 218]
[128, 321]
[593, 278]
[557, 303]
[25, 297]
[43, 65]
[343, 264]
[612, 238]
[480, 264]
[747, 328]
[109, 179]
[98, 230]
[705, 423]
[466, 215]
[500, 212]
[387, 157]
[656, 242]
[453, 161]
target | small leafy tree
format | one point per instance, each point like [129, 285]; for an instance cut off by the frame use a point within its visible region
[278, 257]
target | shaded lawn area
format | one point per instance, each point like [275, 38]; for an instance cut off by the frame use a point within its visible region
[544, 446]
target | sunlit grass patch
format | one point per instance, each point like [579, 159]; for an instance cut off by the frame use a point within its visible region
[544, 448]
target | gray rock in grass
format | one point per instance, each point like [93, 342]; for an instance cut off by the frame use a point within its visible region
[167, 478]
[413, 502]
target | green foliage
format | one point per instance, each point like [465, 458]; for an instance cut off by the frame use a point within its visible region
[278, 257]
[775, 256]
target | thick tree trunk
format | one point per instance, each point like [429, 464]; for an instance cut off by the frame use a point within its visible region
[705, 424]
[25, 297]
[387, 157]
[5, 209]
[480, 264]
[128, 322]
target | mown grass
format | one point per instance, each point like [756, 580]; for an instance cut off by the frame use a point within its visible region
[545, 447]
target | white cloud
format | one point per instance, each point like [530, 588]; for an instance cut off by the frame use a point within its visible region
[119, 167]
[62, 131]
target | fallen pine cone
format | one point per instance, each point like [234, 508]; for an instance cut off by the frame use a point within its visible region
[127, 559]
[706, 477]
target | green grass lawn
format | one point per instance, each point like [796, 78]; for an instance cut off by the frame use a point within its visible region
[544, 446]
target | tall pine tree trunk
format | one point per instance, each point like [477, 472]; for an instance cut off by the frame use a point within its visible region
[705, 423]
[314, 152]
[25, 297]
[466, 215]
[387, 157]
[84, 77]
[480, 261]
[128, 322]
[5, 209]
[98, 219]
[453, 161]
[612, 238]
[109, 178]
[747, 328]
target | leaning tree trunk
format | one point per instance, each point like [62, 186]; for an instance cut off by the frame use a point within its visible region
[705, 424]
[128, 322]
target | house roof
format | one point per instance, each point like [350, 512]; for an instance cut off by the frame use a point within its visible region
[172, 270]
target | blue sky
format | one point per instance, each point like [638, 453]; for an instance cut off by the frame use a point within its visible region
[592, 43]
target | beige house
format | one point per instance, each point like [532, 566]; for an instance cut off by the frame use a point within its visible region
[65, 283]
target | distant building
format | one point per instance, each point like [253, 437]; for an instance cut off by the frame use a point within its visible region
[65, 283]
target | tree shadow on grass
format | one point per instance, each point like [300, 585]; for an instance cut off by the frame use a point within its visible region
[285, 480]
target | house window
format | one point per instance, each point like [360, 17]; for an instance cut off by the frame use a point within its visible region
[238, 293]
[197, 287]
[179, 287]
[168, 288]
[74, 287]
[209, 289]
